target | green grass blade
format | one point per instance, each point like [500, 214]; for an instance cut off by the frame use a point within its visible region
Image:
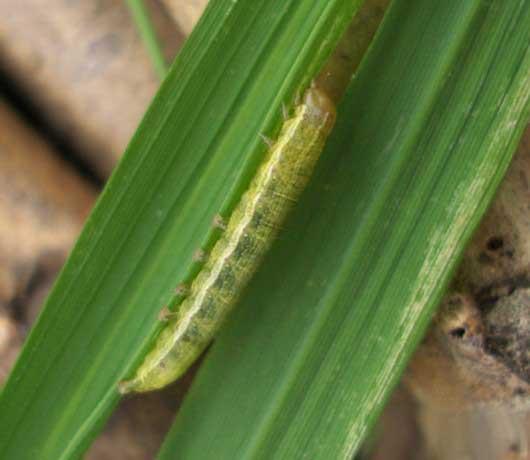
[191, 158]
[148, 33]
[424, 137]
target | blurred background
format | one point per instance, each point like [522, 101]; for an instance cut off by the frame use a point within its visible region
[75, 79]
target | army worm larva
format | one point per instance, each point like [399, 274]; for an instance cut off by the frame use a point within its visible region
[249, 232]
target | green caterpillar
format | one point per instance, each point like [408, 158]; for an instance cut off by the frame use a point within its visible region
[249, 233]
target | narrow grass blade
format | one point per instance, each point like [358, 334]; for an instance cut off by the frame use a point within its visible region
[147, 31]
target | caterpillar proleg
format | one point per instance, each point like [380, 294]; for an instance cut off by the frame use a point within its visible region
[249, 232]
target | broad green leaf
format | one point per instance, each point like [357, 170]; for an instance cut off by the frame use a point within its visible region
[425, 134]
[191, 158]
